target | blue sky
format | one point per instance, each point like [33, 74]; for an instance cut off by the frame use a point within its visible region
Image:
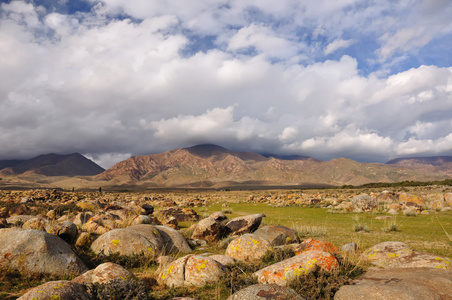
[368, 80]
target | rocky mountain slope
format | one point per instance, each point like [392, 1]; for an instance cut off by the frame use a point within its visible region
[52, 165]
[214, 166]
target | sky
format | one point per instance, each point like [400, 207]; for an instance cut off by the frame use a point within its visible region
[368, 80]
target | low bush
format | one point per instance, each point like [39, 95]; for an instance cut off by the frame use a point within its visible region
[117, 289]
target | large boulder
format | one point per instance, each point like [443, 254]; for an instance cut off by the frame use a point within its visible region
[61, 290]
[266, 292]
[181, 215]
[173, 241]
[311, 244]
[286, 270]
[67, 231]
[387, 197]
[245, 224]
[211, 229]
[131, 240]
[104, 273]
[276, 234]
[191, 270]
[248, 248]
[399, 255]
[406, 283]
[405, 197]
[364, 203]
[35, 252]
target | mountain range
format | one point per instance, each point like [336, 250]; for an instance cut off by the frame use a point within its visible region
[212, 166]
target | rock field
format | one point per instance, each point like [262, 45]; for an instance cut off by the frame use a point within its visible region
[42, 233]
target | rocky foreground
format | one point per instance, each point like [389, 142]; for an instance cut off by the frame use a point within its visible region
[42, 230]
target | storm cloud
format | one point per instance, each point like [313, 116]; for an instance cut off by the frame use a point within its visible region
[365, 80]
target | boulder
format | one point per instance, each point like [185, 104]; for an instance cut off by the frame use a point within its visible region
[36, 223]
[399, 255]
[223, 259]
[245, 224]
[248, 248]
[448, 199]
[181, 215]
[141, 219]
[277, 235]
[406, 283]
[191, 270]
[173, 241]
[34, 252]
[82, 218]
[311, 244]
[288, 269]
[134, 239]
[21, 219]
[387, 197]
[405, 197]
[61, 290]
[364, 203]
[104, 273]
[266, 292]
[148, 209]
[210, 229]
[67, 231]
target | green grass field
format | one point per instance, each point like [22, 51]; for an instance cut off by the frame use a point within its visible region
[421, 232]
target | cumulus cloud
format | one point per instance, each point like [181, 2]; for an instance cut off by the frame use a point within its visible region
[337, 44]
[137, 77]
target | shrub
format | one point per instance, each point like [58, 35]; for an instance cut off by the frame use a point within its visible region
[278, 254]
[320, 284]
[361, 227]
[117, 289]
[392, 227]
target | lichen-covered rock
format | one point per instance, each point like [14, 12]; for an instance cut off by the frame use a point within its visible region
[276, 234]
[245, 224]
[266, 292]
[387, 197]
[67, 231]
[223, 259]
[311, 244]
[191, 270]
[61, 290]
[399, 255]
[173, 241]
[210, 229]
[141, 219]
[104, 273]
[34, 252]
[404, 197]
[303, 263]
[248, 248]
[134, 239]
[36, 224]
[19, 220]
[364, 203]
[82, 218]
[181, 215]
[406, 283]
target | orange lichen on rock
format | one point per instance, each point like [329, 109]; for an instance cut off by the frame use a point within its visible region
[311, 244]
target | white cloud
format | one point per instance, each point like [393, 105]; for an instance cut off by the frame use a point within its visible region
[112, 87]
[337, 44]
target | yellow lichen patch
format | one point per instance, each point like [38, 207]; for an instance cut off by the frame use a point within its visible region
[392, 255]
[115, 242]
[54, 297]
[255, 242]
[445, 265]
[168, 271]
[150, 249]
[201, 265]
[156, 232]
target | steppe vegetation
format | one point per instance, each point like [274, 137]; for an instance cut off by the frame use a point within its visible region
[421, 217]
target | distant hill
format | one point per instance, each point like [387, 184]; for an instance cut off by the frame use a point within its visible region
[429, 160]
[52, 165]
[211, 165]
